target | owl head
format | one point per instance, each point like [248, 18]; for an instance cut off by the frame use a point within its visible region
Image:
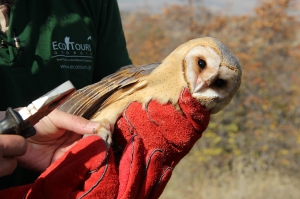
[212, 73]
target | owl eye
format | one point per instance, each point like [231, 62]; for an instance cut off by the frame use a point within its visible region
[219, 83]
[201, 63]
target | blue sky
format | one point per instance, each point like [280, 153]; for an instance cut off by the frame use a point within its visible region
[224, 6]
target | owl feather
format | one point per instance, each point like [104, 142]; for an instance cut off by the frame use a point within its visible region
[205, 66]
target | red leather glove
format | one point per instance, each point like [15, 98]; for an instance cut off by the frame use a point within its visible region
[87, 170]
[142, 174]
[154, 141]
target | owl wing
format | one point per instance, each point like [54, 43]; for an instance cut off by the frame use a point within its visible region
[86, 101]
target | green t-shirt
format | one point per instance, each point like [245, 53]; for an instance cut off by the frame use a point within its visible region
[79, 40]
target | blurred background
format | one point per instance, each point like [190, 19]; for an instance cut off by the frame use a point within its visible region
[251, 149]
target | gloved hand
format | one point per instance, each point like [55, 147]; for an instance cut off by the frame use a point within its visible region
[142, 174]
[154, 141]
[87, 170]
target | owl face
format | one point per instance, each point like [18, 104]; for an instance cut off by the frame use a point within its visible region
[213, 74]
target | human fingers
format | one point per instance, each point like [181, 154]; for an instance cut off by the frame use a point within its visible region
[12, 145]
[57, 122]
[73, 123]
[7, 165]
[2, 115]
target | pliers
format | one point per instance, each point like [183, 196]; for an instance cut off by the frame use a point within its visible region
[21, 122]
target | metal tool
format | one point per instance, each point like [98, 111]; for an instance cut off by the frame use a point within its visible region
[21, 122]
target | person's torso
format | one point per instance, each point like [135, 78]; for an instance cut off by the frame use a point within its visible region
[58, 38]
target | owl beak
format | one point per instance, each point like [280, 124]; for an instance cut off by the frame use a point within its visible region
[204, 83]
[201, 86]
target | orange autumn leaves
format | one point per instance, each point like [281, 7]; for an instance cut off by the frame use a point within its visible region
[263, 120]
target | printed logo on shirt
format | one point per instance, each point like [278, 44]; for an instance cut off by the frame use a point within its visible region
[73, 55]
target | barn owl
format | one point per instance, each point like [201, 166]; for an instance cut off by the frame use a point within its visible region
[204, 66]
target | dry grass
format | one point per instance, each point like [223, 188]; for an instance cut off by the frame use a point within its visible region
[243, 181]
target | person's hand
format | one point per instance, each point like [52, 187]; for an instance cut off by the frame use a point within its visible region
[55, 135]
[10, 146]
[2, 115]
[154, 141]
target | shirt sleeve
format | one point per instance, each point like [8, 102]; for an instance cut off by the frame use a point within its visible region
[111, 45]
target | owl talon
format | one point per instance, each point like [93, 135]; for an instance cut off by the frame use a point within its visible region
[104, 132]
[106, 135]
